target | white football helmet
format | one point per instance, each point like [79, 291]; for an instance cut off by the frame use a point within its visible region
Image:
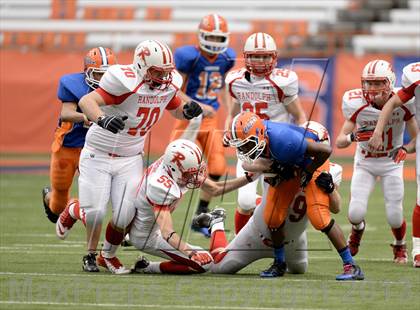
[377, 70]
[183, 160]
[260, 53]
[154, 62]
[319, 130]
[213, 25]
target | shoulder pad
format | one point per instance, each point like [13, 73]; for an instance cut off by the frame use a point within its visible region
[352, 101]
[158, 192]
[185, 57]
[116, 82]
[234, 75]
[287, 80]
[411, 74]
[177, 79]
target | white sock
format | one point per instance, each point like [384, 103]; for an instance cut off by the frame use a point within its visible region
[416, 246]
[109, 250]
[154, 267]
[399, 242]
[359, 226]
[218, 226]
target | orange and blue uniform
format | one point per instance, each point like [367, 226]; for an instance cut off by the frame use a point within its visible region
[287, 144]
[69, 139]
[205, 79]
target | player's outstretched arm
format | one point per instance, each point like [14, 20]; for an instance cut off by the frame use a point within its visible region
[69, 114]
[296, 110]
[90, 105]
[223, 187]
[319, 152]
[376, 141]
[344, 137]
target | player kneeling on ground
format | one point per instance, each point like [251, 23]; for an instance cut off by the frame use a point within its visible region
[165, 182]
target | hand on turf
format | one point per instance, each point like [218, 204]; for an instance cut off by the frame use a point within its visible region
[201, 257]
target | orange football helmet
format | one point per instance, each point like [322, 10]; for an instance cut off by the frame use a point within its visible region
[248, 136]
[213, 25]
[97, 60]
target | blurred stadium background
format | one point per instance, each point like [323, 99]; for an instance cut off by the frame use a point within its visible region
[44, 39]
[40, 40]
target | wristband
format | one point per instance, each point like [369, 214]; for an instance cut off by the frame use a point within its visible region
[170, 236]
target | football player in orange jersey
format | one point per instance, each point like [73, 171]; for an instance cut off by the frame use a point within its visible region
[203, 69]
[72, 127]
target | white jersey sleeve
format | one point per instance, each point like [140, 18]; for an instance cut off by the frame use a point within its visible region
[287, 80]
[161, 190]
[352, 103]
[116, 82]
[231, 77]
[337, 173]
[411, 74]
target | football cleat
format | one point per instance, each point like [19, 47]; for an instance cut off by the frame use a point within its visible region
[207, 220]
[89, 263]
[416, 261]
[354, 240]
[274, 271]
[351, 272]
[400, 254]
[140, 264]
[50, 215]
[112, 264]
[65, 221]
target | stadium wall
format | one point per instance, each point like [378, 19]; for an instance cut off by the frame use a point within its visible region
[29, 108]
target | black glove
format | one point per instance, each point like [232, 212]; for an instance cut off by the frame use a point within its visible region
[112, 123]
[191, 109]
[284, 171]
[305, 178]
[325, 182]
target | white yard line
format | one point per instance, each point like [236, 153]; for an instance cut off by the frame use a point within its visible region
[140, 306]
[241, 277]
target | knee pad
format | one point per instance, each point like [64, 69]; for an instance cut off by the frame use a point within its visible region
[94, 216]
[357, 212]
[245, 203]
[327, 228]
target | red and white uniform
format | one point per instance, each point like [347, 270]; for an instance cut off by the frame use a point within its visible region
[109, 161]
[157, 191]
[411, 88]
[253, 241]
[267, 97]
[369, 165]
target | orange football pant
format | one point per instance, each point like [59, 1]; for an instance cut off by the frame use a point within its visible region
[279, 199]
[210, 139]
[64, 163]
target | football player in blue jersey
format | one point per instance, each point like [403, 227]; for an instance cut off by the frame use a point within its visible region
[297, 157]
[73, 125]
[203, 69]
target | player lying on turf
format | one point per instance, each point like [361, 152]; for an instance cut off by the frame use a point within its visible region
[159, 192]
[304, 153]
[253, 241]
[361, 109]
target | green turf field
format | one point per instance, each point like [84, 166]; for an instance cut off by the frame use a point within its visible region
[38, 271]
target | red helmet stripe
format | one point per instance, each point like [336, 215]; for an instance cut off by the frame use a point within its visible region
[370, 66]
[196, 152]
[163, 52]
[374, 66]
[263, 41]
[256, 41]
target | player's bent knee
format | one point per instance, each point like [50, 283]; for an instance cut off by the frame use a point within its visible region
[94, 216]
[327, 228]
[245, 203]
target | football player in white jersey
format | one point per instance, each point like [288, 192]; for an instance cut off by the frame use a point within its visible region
[129, 101]
[411, 88]
[159, 192]
[361, 108]
[270, 92]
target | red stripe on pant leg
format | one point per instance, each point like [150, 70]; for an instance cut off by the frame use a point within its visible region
[113, 236]
[240, 221]
[416, 221]
[184, 261]
[175, 268]
[399, 233]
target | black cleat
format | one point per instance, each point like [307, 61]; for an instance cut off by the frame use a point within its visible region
[206, 220]
[274, 271]
[50, 215]
[89, 263]
[140, 264]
